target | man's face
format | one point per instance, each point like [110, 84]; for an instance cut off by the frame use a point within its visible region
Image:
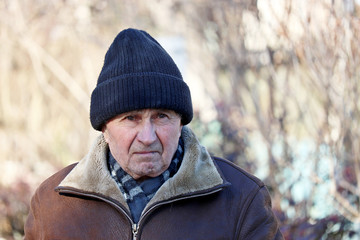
[143, 142]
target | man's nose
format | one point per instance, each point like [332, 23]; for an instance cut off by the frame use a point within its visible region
[147, 133]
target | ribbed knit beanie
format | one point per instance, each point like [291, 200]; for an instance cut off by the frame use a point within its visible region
[138, 74]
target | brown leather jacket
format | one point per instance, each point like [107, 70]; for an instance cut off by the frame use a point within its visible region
[208, 198]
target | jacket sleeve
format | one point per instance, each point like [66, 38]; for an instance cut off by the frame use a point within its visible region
[259, 221]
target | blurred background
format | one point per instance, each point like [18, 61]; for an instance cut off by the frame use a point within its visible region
[275, 88]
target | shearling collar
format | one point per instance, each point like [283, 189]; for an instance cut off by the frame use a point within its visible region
[197, 173]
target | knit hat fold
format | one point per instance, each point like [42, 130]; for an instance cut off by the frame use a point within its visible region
[138, 74]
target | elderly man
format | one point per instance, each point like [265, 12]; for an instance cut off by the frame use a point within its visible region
[147, 176]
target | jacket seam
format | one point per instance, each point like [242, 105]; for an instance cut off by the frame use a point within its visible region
[160, 204]
[249, 203]
[70, 191]
[36, 216]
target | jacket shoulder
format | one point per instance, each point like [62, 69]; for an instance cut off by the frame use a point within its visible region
[235, 175]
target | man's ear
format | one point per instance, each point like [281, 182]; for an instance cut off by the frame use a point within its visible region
[181, 127]
[105, 133]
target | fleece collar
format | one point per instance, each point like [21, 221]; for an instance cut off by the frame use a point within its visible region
[197, 173]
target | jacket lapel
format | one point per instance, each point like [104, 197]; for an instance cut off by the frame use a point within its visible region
[91, 174]
[197, 172]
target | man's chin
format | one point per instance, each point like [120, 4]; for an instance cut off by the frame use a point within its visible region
[149, 170]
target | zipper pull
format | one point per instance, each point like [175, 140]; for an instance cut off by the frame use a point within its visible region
[135, 230]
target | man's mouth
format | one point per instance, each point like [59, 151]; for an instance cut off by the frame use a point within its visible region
[146, 153]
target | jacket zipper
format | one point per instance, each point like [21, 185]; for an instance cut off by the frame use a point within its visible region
[135, 229]
[135, 226]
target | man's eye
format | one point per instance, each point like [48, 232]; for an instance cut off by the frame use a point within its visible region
[130, 118]
[162, 115]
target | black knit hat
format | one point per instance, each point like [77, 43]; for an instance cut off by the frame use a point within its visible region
[138, 74]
